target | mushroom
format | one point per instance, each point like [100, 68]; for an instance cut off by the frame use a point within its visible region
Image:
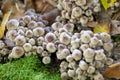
[27, 47]
[12, 24]
[83, 65]
[20, 40]
[50, 37]
[51, 47]
[32, 24]
[17, 52]
[46, 60]
[38, 31]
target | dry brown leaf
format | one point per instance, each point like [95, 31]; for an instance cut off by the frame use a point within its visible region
[29, 4]
[102, 27]
[16, 6]
[44, 6]
[51, 2]
[113, 71]
[3, 23]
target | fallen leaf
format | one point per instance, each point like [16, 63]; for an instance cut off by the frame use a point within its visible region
[16, 6]
[29, 4]
[113, 71]
[3, 23]
[92, 24]
[51, 2]
[107, 3]
[102, 27]
[44, 6]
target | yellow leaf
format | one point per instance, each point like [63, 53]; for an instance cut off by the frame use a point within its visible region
[112, 71]
[107, 3]
[3, 23]
[104, 27]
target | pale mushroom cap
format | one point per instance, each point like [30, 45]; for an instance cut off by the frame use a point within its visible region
[46, 60]
[51, 47]
[27, 47]
[50, 37]
[65, 38]
[17, 52]
[57, 25]
[12, 24]
[37, 32]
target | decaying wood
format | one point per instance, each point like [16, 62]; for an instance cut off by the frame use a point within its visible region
[50, 16]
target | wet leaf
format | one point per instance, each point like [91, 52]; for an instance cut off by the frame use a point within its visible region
[107, 3]
[3, 23]
[113, 71]
[102, 27]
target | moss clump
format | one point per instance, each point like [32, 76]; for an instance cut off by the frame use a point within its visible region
[29, 68]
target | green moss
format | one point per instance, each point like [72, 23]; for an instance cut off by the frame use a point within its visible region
[29, 68]
[116, 38]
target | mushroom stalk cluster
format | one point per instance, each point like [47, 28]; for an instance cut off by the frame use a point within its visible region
[82, 54]
[27, 34]
[78, 11]
[4, 52]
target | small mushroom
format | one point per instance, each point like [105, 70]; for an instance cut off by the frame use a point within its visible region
[50, 37]
[32, 24]
[20, 40]
[57, 25]
[38, 31]
[17, 52]
[46, 60]
[12, 24]
[64, 76]
[40, 49]
[29, 33]
[83, 65]
[91, 69]
[76, 54]
[51, 47]
[27, 47]
[65, 38]
[71, 73]
[32, 41]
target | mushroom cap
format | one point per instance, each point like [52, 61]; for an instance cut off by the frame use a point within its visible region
[17, 52]
[12, 24]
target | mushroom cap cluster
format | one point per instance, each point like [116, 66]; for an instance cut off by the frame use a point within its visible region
[4, 52]
[78, 11]
[82, 54]
[27, 34]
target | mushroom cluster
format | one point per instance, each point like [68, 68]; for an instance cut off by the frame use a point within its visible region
[82, 54]
[114, 7]
[27, 33]
[4, 51]
[78, 11]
